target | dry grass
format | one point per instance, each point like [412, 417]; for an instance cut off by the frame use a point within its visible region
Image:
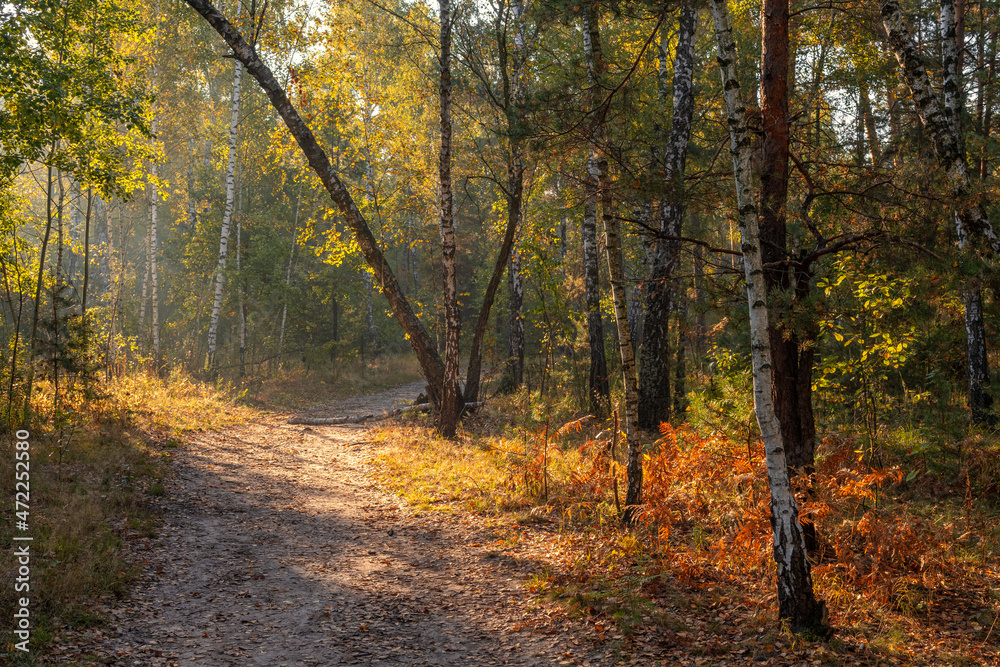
[907, 579]
[97, 465]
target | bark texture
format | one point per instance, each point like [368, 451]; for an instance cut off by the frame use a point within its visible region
[654, 369]
[227, 216]
[790, 355]
[430, 362]
[154, 207]
[633, 468]
[450, 404]
[599, 388]
[796, 601]
[947, 145]
[975, 234]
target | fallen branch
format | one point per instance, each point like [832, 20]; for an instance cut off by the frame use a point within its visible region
[358, 419]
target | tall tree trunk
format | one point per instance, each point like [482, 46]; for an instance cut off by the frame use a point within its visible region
[227, 215]
[513, 96]
[598, 173]
[797, 435]
[973, 229]
[192, 206]
[654, 369]
[154, 201]
[871, 134]
[701, 325]
[633, 468]
[598, 386]
[144, 307]
[680, 365]
[451, 404]
[421, 342]
[16, 317]
[796, 601]
[370, 341]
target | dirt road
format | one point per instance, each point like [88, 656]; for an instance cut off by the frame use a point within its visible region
[277, 549]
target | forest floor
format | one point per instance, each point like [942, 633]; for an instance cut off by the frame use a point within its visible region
[278, 549]
[282, 545]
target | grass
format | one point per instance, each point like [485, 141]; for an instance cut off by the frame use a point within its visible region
[909, 566]
[97, 470]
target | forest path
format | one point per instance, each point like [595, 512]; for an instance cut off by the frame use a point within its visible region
[278, 549]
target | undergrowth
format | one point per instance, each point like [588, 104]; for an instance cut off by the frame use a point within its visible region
[97, 463]
[901, 550]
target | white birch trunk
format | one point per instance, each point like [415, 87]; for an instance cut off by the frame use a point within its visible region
[795, 596]
[451, 404]
[220, 276]
[598, 385]
[154, 199]
[145, 293]
[972, 225]
[940, 125]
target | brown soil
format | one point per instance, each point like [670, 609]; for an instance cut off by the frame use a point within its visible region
[278, 549]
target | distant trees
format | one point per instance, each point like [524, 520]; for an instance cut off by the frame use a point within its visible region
[535, 142]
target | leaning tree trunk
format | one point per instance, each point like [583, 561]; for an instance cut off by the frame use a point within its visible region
[654, 369]
[451, 404]
[599, 388]
[796, 601]
[971, 222]
[420, 340]
[227, 215]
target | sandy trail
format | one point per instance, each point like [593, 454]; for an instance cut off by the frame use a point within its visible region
[277, 549]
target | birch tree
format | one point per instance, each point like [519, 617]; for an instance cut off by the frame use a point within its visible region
[973, 230]
[450, 404]
[654, 369]
[220, 270]
[598, 175]
[154, 200]
[796, 601]
[599, 389]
